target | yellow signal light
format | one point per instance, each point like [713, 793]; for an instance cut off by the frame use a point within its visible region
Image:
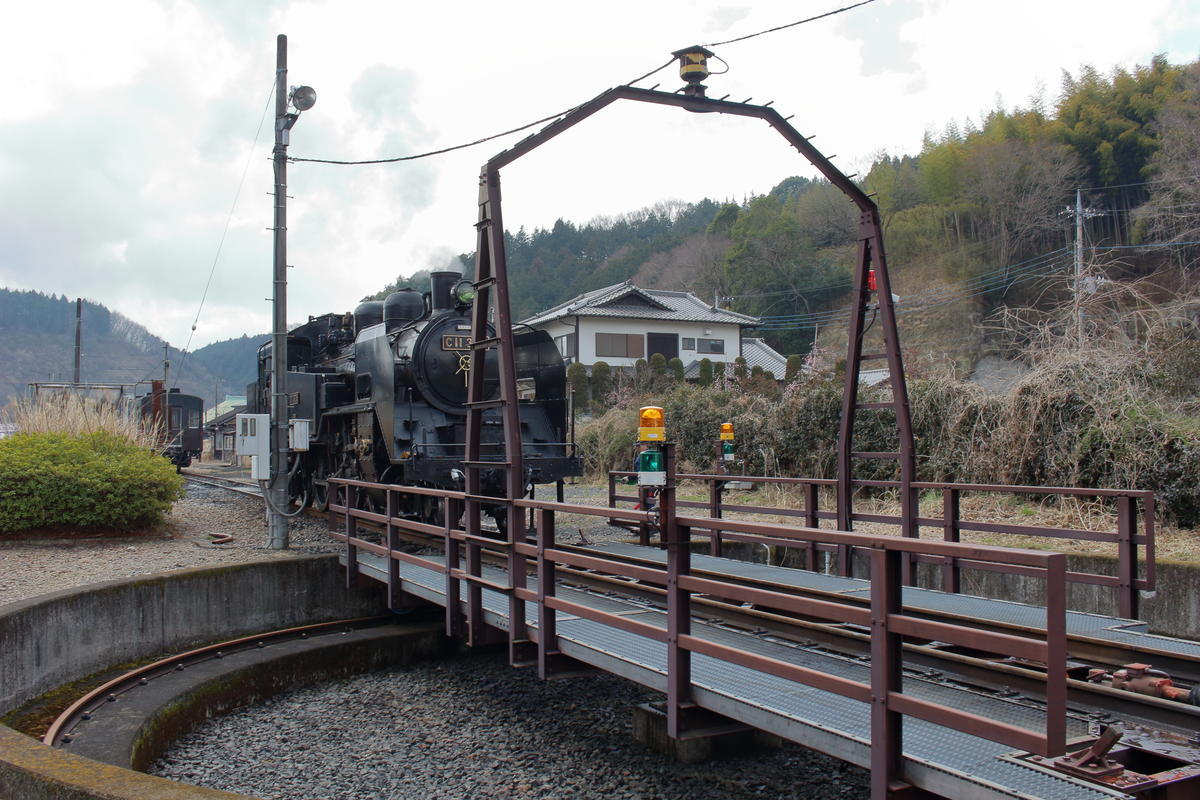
[727, 431]
[651, 426]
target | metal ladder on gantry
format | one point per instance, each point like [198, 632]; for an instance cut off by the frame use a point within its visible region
[870, 296]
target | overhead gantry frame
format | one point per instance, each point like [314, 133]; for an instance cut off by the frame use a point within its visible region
[491, 283]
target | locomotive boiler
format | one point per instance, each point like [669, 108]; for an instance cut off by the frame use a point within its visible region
[385, 387]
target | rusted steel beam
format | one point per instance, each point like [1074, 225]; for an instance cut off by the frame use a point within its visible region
[887, 680]
[615, 620]
[773, 666]
[823, 609]
[951, 574]
[351, 531]
[679, 600]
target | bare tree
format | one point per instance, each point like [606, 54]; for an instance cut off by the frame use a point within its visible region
[1173, 211]
[1020, 187]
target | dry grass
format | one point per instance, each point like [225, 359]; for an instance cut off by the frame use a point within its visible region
[1172, 543]
[72, 415]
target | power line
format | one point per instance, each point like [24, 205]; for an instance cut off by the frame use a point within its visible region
[977, 286]
[985, 281]
[559, 114]
[224, 231]
[789, 25]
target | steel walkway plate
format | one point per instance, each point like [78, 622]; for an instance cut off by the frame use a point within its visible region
[1079, 623]
[951, 763]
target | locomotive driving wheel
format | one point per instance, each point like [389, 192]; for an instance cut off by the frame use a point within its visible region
[320, 485]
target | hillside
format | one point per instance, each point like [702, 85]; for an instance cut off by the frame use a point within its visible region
[39, 335]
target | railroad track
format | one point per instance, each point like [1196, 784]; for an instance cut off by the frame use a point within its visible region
[1086, 653]
[245, 487]
[95, 711]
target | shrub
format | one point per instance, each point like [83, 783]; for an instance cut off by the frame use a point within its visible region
[98, 480]
[601, 383]
[794, 365]
[578, 380]
[677, 371]
[706, 372]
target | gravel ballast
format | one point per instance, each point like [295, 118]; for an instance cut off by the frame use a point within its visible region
[473, 727]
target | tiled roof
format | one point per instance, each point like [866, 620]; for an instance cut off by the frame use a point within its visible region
[757, 354]
[760, 354]
[627, 300]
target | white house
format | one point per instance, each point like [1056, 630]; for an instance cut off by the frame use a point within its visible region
[622, 323]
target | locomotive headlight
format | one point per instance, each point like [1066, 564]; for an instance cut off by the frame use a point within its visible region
[464, 292]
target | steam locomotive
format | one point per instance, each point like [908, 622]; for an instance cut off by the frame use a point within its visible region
[385, 388]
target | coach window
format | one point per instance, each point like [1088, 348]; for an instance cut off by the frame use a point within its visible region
[620, 345]
[716, 346]
[193, 418]
[176, 413]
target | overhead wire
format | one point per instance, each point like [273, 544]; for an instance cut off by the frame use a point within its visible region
[977, 286]
[224, 232]
[559, 114]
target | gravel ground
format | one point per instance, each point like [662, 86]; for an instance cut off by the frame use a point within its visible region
[466, 727]
[29, 568]
[472, 727]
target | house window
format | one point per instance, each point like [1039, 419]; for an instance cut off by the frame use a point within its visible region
[566, 345]
[710, 346]
[620, 345]
[688, 344]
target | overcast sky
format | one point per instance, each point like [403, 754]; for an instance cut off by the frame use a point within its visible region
[126, 125]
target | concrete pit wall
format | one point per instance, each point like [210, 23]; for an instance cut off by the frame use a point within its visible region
[51, 640]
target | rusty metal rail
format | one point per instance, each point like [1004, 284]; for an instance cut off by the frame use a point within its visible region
[461, 562]
[1126, 583]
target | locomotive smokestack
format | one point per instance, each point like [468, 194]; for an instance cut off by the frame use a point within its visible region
[442, 290]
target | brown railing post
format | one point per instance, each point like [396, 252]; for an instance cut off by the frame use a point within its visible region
[547, 617]
[951, 533]
[811, 521]
[643, 526]
[716, 488]
[518, 632]
[454, 617]
[1148, 510]
[1127, 592]
[887, 748]
[351, 535]
[393, 543]
[612, 489]
[1056, 654]
[679, 612]
[475, 632]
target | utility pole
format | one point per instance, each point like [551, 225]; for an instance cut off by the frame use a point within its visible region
[78, 335]
[302, 98]
[1078, 267]
[277, 526]
[166, 392]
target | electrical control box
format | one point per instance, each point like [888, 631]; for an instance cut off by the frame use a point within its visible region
[298, 430]
[253, 439]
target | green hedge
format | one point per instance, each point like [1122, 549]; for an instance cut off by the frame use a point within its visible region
[96, 481]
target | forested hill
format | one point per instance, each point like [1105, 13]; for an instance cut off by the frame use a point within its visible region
[38, 332]
[978, 219]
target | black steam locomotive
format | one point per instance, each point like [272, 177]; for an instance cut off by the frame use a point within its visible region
[385, 389]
